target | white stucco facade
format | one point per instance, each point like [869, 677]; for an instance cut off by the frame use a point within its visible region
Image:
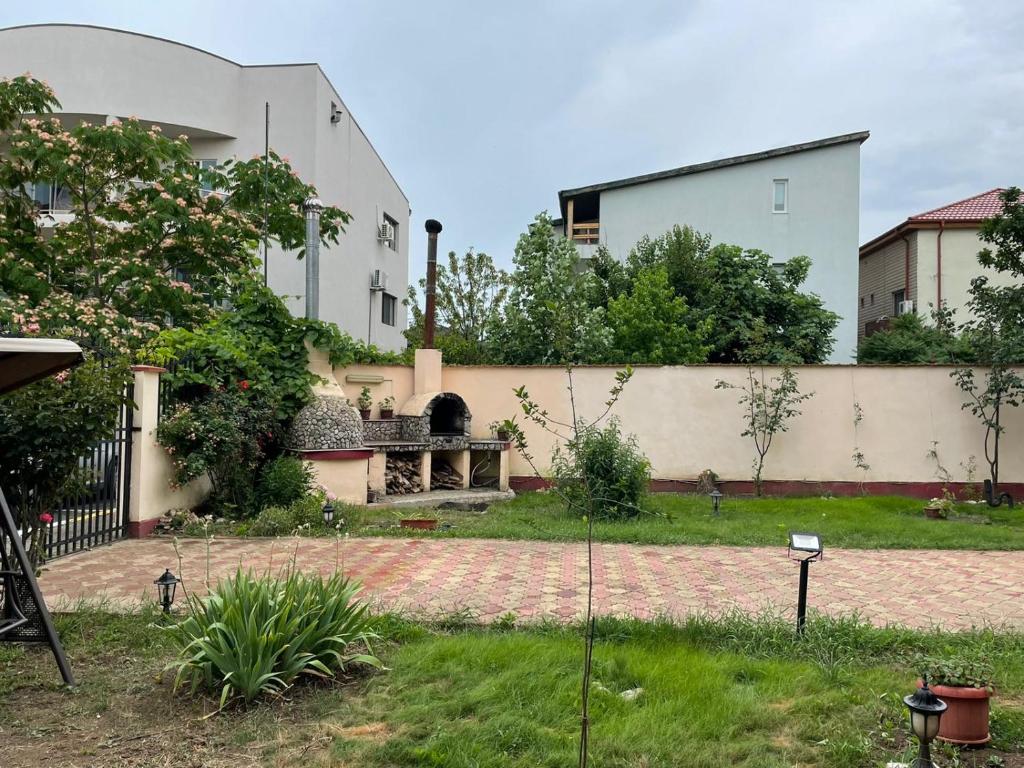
[733, 201]
[99, 74]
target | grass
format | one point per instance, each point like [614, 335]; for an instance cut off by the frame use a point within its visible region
[866, 522]
[716, 692]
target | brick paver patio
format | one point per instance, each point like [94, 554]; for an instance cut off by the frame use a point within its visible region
[954, 589]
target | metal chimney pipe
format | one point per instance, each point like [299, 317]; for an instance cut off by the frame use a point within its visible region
[312, 206]
[433, 227]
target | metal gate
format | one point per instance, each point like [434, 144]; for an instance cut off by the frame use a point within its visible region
[98, 512]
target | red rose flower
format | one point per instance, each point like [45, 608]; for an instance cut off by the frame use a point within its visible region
[46, 518]
[243, 384]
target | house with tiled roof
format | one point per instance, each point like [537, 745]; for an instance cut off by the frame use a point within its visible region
[926, 261]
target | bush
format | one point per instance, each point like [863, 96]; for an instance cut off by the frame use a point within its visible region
[222, 436]
[272, 521]
[256, 635]
[616, 472]
[284, 481]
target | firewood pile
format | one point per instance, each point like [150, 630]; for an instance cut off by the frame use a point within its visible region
[402, 474]
[443, 476]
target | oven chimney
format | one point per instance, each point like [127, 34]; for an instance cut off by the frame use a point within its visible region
[313, 207]
[433, 227]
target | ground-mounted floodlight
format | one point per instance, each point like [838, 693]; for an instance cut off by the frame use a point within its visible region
[328, 512]
[716, 502]
[805, 548]
[925, 713]
[166, 586]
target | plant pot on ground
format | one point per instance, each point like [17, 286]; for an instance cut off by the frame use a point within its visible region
[419, 524]
[966, 686]
[939, 509]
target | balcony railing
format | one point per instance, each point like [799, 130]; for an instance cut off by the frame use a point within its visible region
[587, 233]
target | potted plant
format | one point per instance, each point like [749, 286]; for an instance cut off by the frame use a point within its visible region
[965, 684]
[365, 403]
[387, 407]
[939, 509]
[504, 429]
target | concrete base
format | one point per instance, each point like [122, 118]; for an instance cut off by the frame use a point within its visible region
[436, 498]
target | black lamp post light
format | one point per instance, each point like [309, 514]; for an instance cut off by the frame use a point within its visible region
[925, 712]
[328, 512]
[808, 548]
[166, 586]
[716, 502]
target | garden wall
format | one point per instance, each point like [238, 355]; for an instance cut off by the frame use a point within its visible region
[684, 425]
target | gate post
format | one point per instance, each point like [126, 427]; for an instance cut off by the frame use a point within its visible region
[148, 477]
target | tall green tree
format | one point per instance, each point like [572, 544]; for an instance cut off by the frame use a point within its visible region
[683, 252]
[148, 245]
[651, 324]
[470, 299]
[548, 318]
[996, 332]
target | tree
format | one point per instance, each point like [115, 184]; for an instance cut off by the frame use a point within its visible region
[148, 244]
[651, 324]
[683, 251]
[548, 318]
[769, 403]
[470, 298]
[996, 332]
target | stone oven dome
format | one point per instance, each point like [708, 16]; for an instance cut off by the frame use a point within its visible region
[328, 423]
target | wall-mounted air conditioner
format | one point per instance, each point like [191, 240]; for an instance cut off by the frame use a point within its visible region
[905, 307]
[386, 232]
[378, 280]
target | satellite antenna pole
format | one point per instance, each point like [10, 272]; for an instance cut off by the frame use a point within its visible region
[266, 189]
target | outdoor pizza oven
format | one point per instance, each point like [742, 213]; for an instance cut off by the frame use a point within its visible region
[438, 418]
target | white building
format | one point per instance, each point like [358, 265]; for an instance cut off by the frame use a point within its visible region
[803, 199]
[100, 74]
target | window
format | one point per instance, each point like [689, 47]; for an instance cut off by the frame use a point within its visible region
[780, 196]
[205, 187]
[897, 299]
[779, 268]
[390, 229]
[388, 308]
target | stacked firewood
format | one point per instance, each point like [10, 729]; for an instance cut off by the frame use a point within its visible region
[402, 474]
[444, 476]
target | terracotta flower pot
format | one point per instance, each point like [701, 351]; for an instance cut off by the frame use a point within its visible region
[503, 435]
[422, 525]
[933, 512]
[966, 720]
[365, 413]
[387, 413]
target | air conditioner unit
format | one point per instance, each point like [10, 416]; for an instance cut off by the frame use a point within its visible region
[386, 232]
[905, 307]
[379, 280]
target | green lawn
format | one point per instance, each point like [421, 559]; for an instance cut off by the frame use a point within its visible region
[730, 692]
[887, 522]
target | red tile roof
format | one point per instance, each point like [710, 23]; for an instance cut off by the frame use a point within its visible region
[977, 208]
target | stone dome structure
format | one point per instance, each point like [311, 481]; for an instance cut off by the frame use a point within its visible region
[328, 423]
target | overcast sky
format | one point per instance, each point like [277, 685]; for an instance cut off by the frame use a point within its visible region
[483, 111]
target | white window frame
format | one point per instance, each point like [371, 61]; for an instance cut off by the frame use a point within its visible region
[785, 195]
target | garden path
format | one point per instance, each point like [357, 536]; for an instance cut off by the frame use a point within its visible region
[534, 579]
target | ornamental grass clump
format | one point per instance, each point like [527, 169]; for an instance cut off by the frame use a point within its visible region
[256, 636]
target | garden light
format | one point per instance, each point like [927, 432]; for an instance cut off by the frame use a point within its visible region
[810, 549]
[716, 502]
[328, 511]
[166, 586]
[925, 712]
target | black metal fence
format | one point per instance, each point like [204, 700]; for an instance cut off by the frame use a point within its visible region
[167, 397]
[98, 512]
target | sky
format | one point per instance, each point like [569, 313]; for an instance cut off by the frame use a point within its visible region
[483, 111]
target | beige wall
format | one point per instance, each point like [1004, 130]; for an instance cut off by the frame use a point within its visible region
[685, 425]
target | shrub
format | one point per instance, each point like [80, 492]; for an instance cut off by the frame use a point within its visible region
[284, 481]
[223, 436]
[958, 670]
[616, 472]
[272, 521]
[256, 635]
